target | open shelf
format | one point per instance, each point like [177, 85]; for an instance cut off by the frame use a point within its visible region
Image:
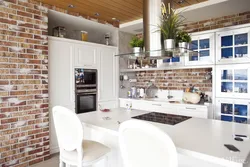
[164, 68]
[159, 54]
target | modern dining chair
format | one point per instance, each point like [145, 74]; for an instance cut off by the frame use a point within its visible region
[144, 145]
[73, 149]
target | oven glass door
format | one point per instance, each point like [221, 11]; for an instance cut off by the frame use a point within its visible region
[86, 103]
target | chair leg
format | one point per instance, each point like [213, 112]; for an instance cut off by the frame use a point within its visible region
[107, 161]
[61, 164]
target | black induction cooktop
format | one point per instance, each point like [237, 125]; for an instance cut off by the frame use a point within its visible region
[170, 119]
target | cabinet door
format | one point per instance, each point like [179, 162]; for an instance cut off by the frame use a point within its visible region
[61, 73]
[233, 110]
[197, 112]
[233, 46]
[86, 56]
[108, 75]
[233, 81]
[204, 45]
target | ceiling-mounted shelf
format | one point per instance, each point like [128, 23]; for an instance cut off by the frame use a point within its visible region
[159, 54]
[164, 68]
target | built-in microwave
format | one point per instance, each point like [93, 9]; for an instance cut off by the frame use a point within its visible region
[86, 90]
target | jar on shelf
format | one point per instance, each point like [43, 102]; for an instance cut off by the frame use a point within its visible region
[59, 31]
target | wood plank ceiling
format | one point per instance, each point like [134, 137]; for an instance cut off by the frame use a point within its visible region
[123, 10]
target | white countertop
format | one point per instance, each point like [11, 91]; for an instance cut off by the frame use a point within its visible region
[199, 138]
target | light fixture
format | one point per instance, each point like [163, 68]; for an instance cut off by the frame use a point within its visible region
[97, 14]
[113, 18]
[71, 6]
[181, 1]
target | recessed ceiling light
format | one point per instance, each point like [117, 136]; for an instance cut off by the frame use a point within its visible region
[113, 18]
[181, 1]
[71, 6]
[97, 14]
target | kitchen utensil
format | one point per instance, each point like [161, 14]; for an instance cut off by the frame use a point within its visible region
[125, 77]
[151, 91]
[193, 98]
[133, 92]
[142, 93]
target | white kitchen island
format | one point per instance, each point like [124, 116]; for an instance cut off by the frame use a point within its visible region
[199, 142]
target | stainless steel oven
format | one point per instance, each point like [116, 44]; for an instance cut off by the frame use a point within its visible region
[86, 90]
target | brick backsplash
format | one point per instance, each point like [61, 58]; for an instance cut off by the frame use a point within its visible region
[176, 79]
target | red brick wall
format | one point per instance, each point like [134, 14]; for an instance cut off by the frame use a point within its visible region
[24, 115]
[219, 22]
[176, 79]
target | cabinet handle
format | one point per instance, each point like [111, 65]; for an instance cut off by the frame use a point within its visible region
[156, 104]
[188, 108]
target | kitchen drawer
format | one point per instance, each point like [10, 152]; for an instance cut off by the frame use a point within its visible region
[198, 112]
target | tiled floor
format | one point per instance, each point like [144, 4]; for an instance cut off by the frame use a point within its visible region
[53, 162]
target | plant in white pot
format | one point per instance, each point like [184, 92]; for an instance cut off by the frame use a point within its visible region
[171, 23]
[137, 44]
[183, 39]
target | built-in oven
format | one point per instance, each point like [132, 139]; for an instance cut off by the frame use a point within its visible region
[86, 90]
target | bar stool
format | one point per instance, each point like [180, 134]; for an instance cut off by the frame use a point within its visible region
[144, 145]
[73, 149]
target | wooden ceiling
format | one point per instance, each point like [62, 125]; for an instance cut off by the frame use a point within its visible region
[123, 10]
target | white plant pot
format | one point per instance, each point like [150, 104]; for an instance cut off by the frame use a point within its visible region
[137, 51]
[183, 47]
[169, 43]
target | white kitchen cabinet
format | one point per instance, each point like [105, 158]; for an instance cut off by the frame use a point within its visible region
[233, 46]
[61, 73]
[64, 56]
[198, 111]
[193, 111]
[204, 44]
[108, 74]
[233, 81]
[233, 110]
[86, 55]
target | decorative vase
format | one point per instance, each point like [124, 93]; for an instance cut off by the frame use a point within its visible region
[183, 47]
[169, 43]
[137, 51]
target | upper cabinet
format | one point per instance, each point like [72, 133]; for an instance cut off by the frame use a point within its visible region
[204, 44]
[233, 46]
[108, 74]
[86, 56]
[233, 81]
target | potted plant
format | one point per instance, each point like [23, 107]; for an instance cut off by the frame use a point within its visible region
[137, 44]
[183, 39]
[170, 26]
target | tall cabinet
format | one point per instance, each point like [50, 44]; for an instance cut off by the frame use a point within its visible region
[64, 56]
[233, 75]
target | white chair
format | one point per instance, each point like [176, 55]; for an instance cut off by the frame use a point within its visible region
[144, 145]
[73, 149]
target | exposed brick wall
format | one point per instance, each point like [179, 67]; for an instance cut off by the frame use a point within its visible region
[219, 22]
[176, 79]
[24, 115]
